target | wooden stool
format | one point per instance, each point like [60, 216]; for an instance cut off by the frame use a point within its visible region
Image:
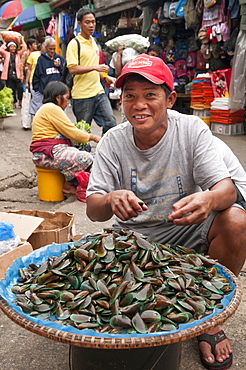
[50, 184]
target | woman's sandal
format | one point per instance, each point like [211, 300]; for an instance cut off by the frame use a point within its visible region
[213, 340]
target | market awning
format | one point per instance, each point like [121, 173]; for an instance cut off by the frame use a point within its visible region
[56, 3]
[106, 7]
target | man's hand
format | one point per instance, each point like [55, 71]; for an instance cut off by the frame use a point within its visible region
[125, 204]
[57, 62]
[95, 138]
[121, 49]
[193, 209]
[196, 207]
[122, 203]
[110, 80]
[102, 68]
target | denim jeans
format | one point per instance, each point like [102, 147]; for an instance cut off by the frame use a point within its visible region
[98, 108]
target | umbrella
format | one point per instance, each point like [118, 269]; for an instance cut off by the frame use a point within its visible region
[33, 13]
[12, 9]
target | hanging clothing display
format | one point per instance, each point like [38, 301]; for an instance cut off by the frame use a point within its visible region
[51, 29]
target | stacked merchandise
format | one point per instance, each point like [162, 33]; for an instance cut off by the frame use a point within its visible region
[224, 121]
[202, 96]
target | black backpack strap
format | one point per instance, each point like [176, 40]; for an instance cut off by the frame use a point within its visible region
[78, 43]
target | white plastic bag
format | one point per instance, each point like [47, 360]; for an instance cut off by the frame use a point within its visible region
[26, 118]
[238, 82]
[134, 41]
[8, 239]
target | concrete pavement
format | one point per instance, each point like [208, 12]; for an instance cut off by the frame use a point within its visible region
[20, 348]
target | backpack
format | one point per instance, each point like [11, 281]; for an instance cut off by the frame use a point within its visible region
[181, 67]
[170, 56]
[181, 49]
[180, 8]
[172, 69]
[191, 16]
[66, 77]
[191, 59]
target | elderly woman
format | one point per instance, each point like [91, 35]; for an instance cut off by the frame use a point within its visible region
[52, 136]
[49, 68]
[12, 72]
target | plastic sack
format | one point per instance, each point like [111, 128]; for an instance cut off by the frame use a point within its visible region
[135, 41]
[83, 179]
[6, 231]
[26, 118]
[238, 83]
[8, 239]
[11, 36]
[128, 54]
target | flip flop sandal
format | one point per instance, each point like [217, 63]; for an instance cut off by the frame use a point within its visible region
[213, 340]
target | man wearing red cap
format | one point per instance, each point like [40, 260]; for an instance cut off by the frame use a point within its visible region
[148, 172]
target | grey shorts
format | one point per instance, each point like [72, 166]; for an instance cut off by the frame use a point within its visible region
[192, 236]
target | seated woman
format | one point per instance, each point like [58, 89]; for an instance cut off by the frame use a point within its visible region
[52, 136]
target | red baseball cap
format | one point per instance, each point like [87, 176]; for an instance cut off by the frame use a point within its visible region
[152, 68]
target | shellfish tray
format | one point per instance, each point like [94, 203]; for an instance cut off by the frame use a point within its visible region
[117, 291]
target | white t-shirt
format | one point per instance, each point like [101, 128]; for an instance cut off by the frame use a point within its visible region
[183, 161]
[233, 165]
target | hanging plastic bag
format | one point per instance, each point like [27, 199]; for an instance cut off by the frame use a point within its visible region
[8, 239]
[83, 179]
[238, 84]
[26, 118]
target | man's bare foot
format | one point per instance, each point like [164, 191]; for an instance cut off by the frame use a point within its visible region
[69, 188]
[222, 349]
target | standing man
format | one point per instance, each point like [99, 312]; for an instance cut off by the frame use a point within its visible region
[49, 68]
[88, 96]
[149, 169]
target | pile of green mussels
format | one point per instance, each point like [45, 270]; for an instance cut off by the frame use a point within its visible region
[118, 282]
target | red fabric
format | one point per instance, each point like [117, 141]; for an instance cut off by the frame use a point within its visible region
[101, 57]
[46, 145]
[83, 179]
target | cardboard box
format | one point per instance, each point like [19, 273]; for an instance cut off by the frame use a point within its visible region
[8, 258]
[55, 228]
[24, 227]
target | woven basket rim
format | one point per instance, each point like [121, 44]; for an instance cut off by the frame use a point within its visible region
[88, 341]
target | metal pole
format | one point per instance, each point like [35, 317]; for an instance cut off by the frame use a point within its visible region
[43, 26]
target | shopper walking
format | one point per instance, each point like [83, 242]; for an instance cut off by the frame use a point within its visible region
[12, 72]
[32, 45]
[49, 68]
[89, 100]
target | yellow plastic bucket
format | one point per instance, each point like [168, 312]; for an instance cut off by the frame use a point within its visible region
[50, 184]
